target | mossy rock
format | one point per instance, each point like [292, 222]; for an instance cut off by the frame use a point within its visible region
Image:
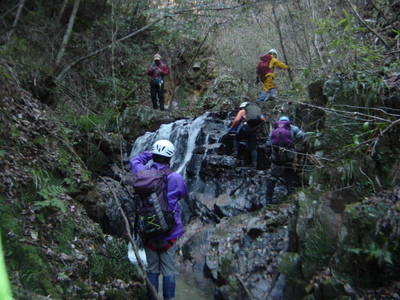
[290, 265]
[227, 266]
[295, 289]
[333, 289]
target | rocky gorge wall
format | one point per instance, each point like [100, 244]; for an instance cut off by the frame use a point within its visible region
[316, 241]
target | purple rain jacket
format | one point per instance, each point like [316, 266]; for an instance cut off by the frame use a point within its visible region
[176, 189]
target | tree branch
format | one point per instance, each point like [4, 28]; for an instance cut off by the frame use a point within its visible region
[369, 28]
[134, 245]
[61, 75]
[67, 34]
[277, 24]
[14, 25]
[60, 14]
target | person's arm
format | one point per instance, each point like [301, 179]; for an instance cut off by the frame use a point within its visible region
[164, 70]
[238, 118]
[150, 71]
[277, 63]
[139, 162]
[297, 133]
[176, 189]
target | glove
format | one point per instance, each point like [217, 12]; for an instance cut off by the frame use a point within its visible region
[230, 129]
[263, 115]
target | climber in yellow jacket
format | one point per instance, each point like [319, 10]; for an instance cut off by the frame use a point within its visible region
[265, 73]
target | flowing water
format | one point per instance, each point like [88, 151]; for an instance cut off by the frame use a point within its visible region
[182, 133]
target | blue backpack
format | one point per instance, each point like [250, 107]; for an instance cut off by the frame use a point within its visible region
[154, 216]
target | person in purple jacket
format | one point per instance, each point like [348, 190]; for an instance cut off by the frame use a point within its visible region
[281, 160]
[161, 250]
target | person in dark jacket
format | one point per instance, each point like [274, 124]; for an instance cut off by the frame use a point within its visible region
[161, 250]
[157, 71]
[247, 119]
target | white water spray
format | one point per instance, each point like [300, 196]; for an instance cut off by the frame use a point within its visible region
[182, 133]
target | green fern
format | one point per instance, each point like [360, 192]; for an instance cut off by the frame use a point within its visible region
[53, 203]
[376, 252]
[50, 194]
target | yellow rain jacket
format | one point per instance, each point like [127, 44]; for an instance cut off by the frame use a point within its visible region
[268, 77]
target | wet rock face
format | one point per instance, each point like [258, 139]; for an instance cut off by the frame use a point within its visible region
[243, 253]
[229, 236]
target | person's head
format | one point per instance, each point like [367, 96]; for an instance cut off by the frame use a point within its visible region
[243, 105]
[163, 151]
[284, 118]
[157, 58]
[273, 52]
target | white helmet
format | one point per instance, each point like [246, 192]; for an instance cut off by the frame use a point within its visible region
[273, 52]
[163, 148]
[243, 105]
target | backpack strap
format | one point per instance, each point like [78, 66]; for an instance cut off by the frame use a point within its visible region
[160, 250]
[159, 212]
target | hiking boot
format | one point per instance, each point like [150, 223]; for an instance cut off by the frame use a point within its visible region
[271, 94]
[235, 154]
[263, 95]
[254, 164]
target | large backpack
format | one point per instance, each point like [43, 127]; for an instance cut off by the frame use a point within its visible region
[263, 66]
[253, 115]
[281, 134]
[154, 216]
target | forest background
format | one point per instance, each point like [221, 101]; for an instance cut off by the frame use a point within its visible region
[70, 69]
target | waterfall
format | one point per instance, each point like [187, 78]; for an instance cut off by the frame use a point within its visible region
[182, 133]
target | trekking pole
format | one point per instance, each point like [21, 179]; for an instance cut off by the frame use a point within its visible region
[134, 245]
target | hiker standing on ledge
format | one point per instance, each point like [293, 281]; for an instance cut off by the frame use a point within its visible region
[161, 250]
[265, 73]
[250, 117]
[157, 71]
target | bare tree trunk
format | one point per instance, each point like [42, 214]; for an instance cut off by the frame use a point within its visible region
[62, 11]
[321, 59]
[295, 37]
[277, 24]
[113, 39]
[20, 7]
[67, 35]
[78, 60]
